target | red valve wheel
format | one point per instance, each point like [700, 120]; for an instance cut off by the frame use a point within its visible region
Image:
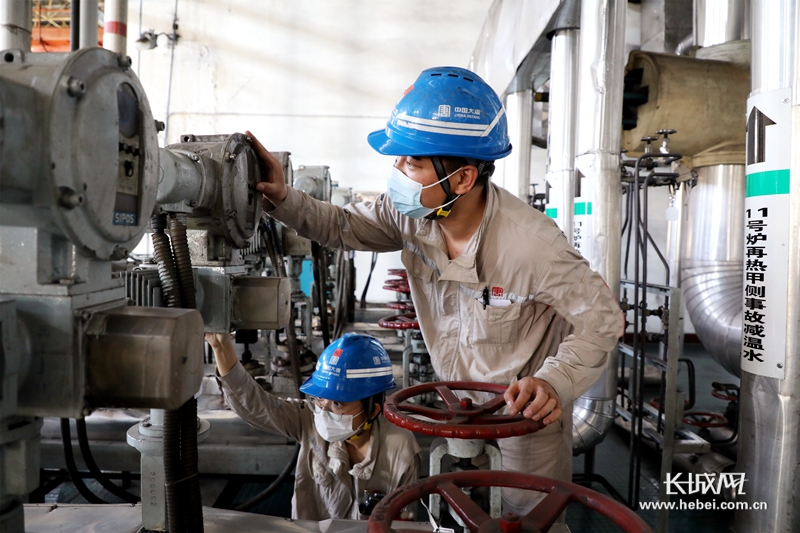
[540, 519]
[460, 418]
[406, 321]
[725, 391]
[396, 282]
[656, 402]
[398, 272]
[705, 419]
[402, 306]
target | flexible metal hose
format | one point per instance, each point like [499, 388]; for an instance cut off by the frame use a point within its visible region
[183, 261]
[194, 515]
[167, 272]
[173, 471]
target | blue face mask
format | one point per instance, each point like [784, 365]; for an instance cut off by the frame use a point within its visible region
[405, 194]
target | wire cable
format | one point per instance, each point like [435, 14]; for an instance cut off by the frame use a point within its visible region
[83, 442]
[275, 485]
[69, 459]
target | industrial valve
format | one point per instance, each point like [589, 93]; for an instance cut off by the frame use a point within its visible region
[450, 487]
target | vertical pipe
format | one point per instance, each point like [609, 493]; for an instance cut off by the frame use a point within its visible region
[769, 445]
[562, 125]
[115, 32]
[519, 109]
[600, 75]
[74, 25]
[88, 27]
[720, 21]
[15, 24]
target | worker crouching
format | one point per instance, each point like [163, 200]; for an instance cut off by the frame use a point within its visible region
[349, 454]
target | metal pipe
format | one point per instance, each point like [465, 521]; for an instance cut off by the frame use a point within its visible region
[115, 31]
[769, 442]
[712, 261]
[519, 109]
[15, 24]
[88, 27]
[600, 76]
[721, 21]
[74, 26]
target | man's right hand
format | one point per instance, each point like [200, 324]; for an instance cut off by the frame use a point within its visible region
[273, 183]
[224, 352]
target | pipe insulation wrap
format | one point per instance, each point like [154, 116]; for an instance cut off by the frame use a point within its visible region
[600, 87]
[713, 250]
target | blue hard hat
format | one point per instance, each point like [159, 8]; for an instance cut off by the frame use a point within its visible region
[352, 367]
[449, 111]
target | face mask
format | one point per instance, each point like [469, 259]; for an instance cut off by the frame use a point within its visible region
[335, 428]
[405, 194]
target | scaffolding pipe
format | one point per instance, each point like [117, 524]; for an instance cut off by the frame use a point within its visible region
[15, 24]
[769, 442]
[115, 31]
[600, 84]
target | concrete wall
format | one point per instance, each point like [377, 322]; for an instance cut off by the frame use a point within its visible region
[312, 77]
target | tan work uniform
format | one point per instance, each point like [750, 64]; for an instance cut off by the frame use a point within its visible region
[495, 313]
[325, 484]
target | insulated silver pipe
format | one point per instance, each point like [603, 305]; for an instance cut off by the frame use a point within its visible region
[562, 125]
[519, 108]
[15, 24]
[721, 21]
[769, 443]
[712, 261]
[599, 132]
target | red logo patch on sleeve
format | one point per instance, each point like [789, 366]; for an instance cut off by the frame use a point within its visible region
[497, 292]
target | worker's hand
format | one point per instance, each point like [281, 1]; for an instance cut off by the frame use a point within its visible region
[224, 353]
[217, 340]
[273, 183]
[545, 403]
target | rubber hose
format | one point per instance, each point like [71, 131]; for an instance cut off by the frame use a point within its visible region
[83, 441]
[183, 262]
[275, 485]
[167, 272]
[69, 458]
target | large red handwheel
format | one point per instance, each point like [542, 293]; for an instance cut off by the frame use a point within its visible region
[705, 419]
[405, 321]
[461, 419]
[540, 519]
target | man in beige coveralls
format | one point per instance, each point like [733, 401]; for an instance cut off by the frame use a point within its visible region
[500, 294]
